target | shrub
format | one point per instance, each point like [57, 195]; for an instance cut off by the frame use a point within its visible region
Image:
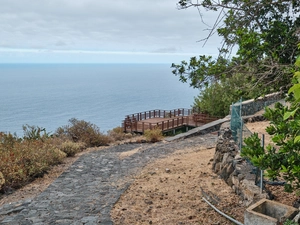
[35, 133]
[117, 134]
[22, 161]
[283, 159]
[71, 148]
[153, 135]
[82, 131]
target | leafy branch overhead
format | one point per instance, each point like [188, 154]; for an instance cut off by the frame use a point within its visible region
[264, 34]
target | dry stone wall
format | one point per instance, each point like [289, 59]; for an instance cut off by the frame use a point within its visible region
[238, 173]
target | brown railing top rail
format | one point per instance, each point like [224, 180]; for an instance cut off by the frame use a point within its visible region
[160, 113]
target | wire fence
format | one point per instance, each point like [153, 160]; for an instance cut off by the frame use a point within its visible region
[241, 109]
[240, 131]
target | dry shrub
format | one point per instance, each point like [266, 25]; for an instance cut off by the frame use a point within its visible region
[117, 134]
[82, 131]
[71, 148]
[153, 135]
[23, 160]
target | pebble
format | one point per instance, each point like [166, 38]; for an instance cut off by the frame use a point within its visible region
[86, 192]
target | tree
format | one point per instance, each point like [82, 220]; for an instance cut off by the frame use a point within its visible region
[265, 32]
[283, 159]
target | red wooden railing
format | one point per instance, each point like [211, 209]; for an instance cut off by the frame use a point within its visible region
[157, 113]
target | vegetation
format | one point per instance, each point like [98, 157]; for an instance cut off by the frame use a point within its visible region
[82, 131]
[265, 34]
[283, 159]
[153, 135]
[22, 159]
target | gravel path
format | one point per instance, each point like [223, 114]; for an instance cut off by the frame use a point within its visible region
[87, 191]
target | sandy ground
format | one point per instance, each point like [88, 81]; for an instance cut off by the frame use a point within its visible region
[168, 191]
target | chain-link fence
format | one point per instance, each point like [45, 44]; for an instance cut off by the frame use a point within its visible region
[240, 130]
[240, 109]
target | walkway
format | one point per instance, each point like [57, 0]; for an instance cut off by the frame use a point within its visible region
[165, 120]
[87, 191]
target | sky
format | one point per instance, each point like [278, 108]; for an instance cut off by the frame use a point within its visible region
[98, 31]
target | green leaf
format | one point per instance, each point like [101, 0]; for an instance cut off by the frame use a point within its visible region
[297, 139]
[296, 90]
[297, 63]
[289, 114]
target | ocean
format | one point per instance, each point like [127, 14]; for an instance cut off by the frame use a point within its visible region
[48, 95]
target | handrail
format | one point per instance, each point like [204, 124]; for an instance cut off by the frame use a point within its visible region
[158, 113]
[172, 119]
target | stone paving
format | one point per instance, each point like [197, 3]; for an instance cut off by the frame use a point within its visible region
[87, 191]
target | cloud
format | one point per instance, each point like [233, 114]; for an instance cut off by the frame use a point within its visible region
[109, 26]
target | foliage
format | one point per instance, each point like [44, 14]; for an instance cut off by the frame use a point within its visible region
[153, 135]
[290, 222]
[34, 133]
[283, 160]
[117, 134]
[71, 148]
[23, 160]
[265, 34]
[82, 131]
[216, 99]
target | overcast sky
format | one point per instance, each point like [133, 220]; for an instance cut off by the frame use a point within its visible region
[99, 31]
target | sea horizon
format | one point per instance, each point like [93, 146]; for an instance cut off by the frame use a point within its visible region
[49, 94]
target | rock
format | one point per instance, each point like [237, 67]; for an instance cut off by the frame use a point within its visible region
[168, 170]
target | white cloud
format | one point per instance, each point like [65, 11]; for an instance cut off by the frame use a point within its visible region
[102, 26]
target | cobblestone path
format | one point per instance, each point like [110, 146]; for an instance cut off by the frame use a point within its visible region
[87, 191]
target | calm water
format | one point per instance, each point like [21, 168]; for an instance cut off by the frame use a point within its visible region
[49, 95]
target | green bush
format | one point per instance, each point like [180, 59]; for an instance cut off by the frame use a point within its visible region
[82, 131]
[283, 159]
[216, 98]
[71, 148]
[35, 133]
[153, 135]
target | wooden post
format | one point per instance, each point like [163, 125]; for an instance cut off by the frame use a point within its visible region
[164, 114]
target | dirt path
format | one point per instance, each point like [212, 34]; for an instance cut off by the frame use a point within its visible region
[170, 191]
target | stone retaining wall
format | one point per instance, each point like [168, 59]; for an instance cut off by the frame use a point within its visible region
[250, 107]
[234, 170]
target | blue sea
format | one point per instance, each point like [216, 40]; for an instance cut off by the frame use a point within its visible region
[48, 95]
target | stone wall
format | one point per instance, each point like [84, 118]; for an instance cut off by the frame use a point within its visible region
[238, 173]
[252, 106]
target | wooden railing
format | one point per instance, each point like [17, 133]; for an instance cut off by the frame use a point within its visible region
[163, 125]
[171, 119]
[157, 113]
